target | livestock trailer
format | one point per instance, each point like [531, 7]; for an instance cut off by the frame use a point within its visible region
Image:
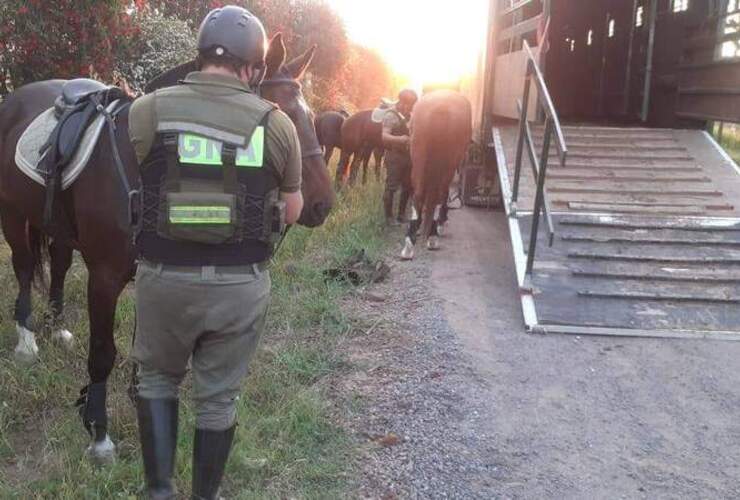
[623, 210]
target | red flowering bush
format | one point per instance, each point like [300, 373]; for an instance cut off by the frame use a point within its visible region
[62, 39]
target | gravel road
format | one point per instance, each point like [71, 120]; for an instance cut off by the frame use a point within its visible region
[449, 398]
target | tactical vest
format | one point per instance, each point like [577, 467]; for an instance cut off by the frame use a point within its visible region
[401, 129]
[210, 188]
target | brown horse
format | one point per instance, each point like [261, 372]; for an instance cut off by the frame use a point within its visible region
[361, 136]
[441, 130]
[329, 131]
[96, 205]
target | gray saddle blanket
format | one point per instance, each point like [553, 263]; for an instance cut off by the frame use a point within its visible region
[379, 113]
[27, 152]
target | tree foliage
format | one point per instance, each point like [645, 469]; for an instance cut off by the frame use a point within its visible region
[61, 39]
[40, 39]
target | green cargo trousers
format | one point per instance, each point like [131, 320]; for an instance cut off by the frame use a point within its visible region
[210, 317]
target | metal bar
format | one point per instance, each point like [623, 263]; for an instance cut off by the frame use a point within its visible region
[520, 140]
[648, 241]
[655, 277]
[649, 65]
[546, 100]
[630, 51]
[615, 257]
[635, 332]
[649, 296]
[539, 197]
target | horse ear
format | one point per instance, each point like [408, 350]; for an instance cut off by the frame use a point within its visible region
[275, 55]
[171, 77]
[298, 66]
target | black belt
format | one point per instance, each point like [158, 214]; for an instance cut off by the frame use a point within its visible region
[254, 269]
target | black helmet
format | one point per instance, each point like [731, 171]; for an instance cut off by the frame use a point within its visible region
[233, 31]
[408, 96]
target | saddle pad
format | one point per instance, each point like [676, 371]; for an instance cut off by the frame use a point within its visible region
[27, 155]
[378, 115]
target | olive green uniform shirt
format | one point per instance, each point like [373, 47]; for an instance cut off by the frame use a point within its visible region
[281, 137]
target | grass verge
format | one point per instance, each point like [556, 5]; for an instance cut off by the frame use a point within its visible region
[287, 444]
[729, 138]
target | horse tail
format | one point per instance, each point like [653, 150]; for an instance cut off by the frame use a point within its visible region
[38, 243]
[439, 144]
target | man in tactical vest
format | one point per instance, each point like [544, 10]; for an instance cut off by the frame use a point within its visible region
[221, 170]
[398, 158]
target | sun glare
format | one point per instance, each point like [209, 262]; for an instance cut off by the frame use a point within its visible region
[425, 43]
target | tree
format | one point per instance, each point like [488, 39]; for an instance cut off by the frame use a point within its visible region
[367, 78]
[162, 42]
[62, 39]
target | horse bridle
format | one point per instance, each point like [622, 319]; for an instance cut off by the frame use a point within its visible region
[306, 152]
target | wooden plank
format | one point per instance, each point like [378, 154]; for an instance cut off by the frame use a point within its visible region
[637, 156]
[647, 241]
[615, 178]
[683, 225]
[637, 209]
[646, 192]
[658, 297]
[656, 277]
[626, 168]
[522, 28]
[616, 257]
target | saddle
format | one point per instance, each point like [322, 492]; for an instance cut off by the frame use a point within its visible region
[79, 103]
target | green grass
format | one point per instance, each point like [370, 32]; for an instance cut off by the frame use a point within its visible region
[730, 139]
[287, 444]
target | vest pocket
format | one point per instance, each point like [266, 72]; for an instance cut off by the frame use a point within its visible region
[200, 217]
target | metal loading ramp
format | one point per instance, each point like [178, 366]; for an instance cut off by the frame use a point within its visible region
[646, 234]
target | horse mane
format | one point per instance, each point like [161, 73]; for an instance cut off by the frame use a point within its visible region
[171, 77]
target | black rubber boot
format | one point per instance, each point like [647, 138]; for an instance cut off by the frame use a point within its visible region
[210, 453]
[158, 420]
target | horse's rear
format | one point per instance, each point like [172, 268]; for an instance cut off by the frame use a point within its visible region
[441, 130]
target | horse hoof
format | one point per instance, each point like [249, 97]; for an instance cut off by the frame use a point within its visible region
[102, 453]
[441, 229]
[433, 243]
[408, 250]
[64, 337]
[27, 350]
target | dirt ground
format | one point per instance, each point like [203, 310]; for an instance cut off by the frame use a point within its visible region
[451, 399]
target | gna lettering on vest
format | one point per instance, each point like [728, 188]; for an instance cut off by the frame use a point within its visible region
[198, 150]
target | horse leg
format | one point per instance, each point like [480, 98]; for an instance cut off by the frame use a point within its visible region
[328, 153]
[414, 224]
[61, 261]
[378, 154]
[433, 237]
[443, 218]
[341, 174]
[14, 228]
[365, 162]
[356, 159]
[103, 289]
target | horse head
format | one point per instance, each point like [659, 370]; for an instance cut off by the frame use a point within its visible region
[281, 86]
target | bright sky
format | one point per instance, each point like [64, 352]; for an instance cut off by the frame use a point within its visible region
[424, 41]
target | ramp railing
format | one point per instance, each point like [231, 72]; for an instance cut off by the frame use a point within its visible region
[538, 162]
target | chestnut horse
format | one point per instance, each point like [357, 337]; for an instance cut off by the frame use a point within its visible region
[441, 131]
[329, 131]
[96, 206]
[361, 136]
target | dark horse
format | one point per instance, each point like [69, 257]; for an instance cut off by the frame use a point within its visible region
[96, 205]
[329, 131]
[361, 136]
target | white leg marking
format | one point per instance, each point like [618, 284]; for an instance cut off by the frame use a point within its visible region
[64, 337]
[440, 229]
[408, 250]
[102, 453]
[437, 210]
[27, 349]
[432, 243]
[414, 213]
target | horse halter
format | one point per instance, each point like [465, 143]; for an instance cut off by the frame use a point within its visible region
[306, 152]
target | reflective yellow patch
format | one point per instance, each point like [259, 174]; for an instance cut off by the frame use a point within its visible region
[200, 215]
[197, 150]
